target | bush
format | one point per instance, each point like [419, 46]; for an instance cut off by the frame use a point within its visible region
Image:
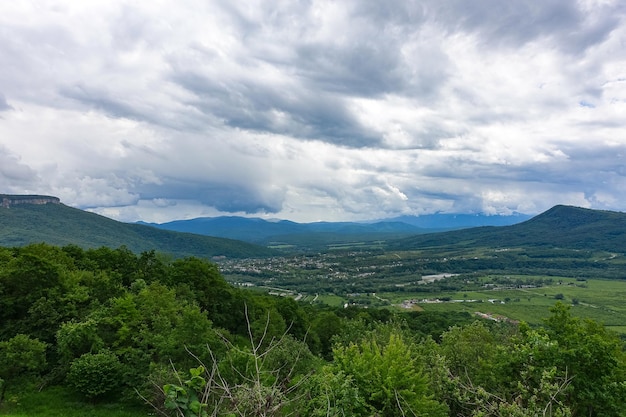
[95, 375]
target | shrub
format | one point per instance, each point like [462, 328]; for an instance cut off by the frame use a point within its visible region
[95, 375]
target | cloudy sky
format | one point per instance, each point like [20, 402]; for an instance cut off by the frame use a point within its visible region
[314, 110]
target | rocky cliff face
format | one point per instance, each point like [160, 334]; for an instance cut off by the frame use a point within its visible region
[8, 200]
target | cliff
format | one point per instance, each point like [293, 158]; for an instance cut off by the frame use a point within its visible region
[8, 200]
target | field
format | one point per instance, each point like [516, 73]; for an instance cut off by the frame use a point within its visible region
[597, 299]
[522, 283]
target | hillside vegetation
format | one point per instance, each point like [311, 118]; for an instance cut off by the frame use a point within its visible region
[560, 227]
[106, 326]
[58, 224]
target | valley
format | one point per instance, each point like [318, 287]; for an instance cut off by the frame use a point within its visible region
[518, 283]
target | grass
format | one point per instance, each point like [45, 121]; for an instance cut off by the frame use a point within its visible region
[59, 402]
[596, 299]
[331, 300]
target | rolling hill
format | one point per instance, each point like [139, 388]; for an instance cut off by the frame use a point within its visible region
[316, 235]
[57, 224]
[559, 227]
[321, 234]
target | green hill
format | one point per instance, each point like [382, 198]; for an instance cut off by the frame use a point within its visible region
[560, 227]
[58, 224]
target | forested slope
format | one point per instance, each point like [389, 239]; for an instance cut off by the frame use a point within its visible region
[58, 224]
[559, 227]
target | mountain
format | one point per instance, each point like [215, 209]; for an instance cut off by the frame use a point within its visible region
[316, 235]
[261, 231]
[43, 219]
[448, 221]
[232, 227]
[559, 227]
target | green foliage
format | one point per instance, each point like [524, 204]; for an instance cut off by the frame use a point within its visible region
[96, 375]
[570, 367]
[19, 355]
[330, 392]
[260, 379]
[471, 351]
[110, 318]
[77, 338]
[530, 402]
[389, 377]
[187, 398]
[593, 357]
[326, 325]
[202, 281]
[61, 401]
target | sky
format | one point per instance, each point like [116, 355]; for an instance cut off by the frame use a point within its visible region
[314, 110]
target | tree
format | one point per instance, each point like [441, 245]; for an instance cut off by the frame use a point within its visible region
[525, 388]
[260, 380]
[332, 393]
[389, 377]
[595, 359]
[20, 355]
[470, 351]
[569, 367]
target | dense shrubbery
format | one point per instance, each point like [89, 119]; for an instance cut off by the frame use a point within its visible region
[107, 322]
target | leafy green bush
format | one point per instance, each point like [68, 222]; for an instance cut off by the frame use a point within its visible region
[95, 375]
[18, 356]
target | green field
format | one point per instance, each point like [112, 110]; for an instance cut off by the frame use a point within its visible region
[600, 300]
[59, 402]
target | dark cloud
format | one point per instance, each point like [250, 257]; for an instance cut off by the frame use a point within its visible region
[316, 76]
[229, 198]
[365, 68]
[517, 22]
[250, 105]
[119, 104]
[101, 100]
[4, 105]
[13, 172]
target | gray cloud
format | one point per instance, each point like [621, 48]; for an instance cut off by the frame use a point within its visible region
[16, 176]
[514, 23]
[4, 105]
[230, 198]
[248, 104]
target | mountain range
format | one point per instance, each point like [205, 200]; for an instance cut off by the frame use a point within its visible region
[266, 232]
[34, 219]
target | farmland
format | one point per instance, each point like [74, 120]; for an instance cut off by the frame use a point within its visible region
[520, 284]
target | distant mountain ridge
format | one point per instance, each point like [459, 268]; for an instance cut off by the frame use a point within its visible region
[57, 224]
[262, 231]
[460, 220]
